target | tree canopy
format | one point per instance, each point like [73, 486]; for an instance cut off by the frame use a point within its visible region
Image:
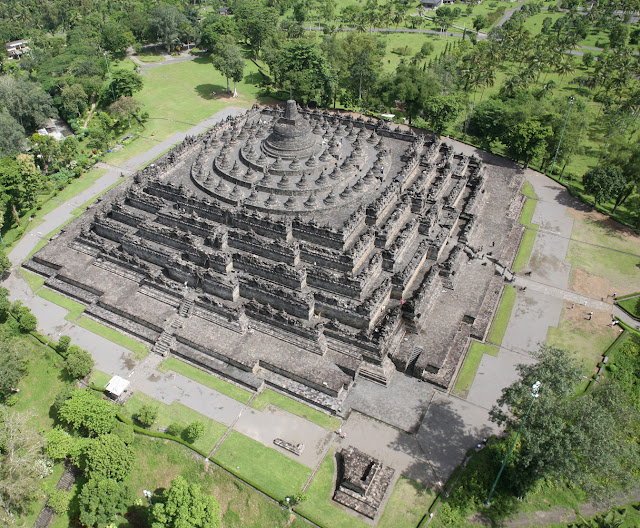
[184, 505]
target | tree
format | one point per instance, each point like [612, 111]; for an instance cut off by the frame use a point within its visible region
[165, 22]
[440, 110]
[79, 362]
[12, 138]
[184, 505]
[101, 501]
[526, 140]
[480, 22]
[27, 322]
[59, 444]
[18, 189]
[215, 26]
[58, 501]
[588, 440]
[108, 457]
[13, 364]
[255, 22]
[125, 108]
[228, 60]
[5, 304]
[5, 263]
[301, 66]
[194, 431]
[126, 83]
[86, 411]
[116, 37]
[22, 464]
[74, 99]
[25, 101]
[604, 183]
[63, 345]
[147, 415]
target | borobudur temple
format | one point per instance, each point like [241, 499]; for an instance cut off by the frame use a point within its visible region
[301, 248]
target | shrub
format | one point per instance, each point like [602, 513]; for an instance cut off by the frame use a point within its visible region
[175, 429]
[147, 415]
[63, 345]
[58, 501]
[79, 362]
[194, 431]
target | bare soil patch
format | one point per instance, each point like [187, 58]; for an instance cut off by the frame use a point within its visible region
[591, 285]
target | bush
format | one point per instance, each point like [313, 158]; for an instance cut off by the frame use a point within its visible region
[147, 415]
[63, 345]
[58, 501]
[27, 321]
[125, 432]
[194, 431]
[175, 430]
[79, 362]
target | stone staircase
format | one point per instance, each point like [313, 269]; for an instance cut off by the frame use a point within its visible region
[166, 342]
[380, 374]
[186, 308]
[413, 357]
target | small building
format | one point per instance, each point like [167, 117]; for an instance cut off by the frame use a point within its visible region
[431, 4]
[117, 387]
[17, 48]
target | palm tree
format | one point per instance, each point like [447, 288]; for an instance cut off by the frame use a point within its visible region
[566, 66]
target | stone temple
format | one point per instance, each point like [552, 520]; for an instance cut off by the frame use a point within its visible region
[300, 248]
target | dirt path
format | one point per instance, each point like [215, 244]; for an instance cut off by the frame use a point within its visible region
[557, 515]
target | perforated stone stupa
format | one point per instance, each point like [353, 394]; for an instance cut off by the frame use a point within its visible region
[297, 247]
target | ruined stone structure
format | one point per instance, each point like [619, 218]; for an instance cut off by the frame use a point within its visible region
[301, 248]
[362, 481]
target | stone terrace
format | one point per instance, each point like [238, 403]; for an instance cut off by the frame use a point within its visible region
[299, 248]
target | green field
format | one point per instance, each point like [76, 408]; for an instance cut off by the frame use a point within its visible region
[178, 414]
[264, 467]
[34, 281]
[524, 252]
[270, 397]
[139, 349]
[408, 503]
[503, 314]
[468, 371]
[75, 309]
[206, 379]
[527, 214]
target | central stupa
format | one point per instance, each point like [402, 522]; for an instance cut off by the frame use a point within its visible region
[291, 137]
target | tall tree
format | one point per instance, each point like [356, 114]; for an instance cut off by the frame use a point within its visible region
[108, 457]
[184, 505]
[22, 465]
[604, 183]
[228, 60]
[87, 412]
[165, 22]
[589, 441]
[101, 501]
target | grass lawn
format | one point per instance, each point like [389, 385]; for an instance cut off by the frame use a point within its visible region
[99, 378]
[178, 96]
[267, 469]
[160, 461]
[176, 413]
[524, 252]
[585, 340]
[503, 314]
[409, 501]
[140, 350]
[319, 507]
[206, 379]
[75, 309]
[51, 202]
[38, 247]
[149, 57]
[527, 214]
[631, 306]
[602, 231]
[528, 191]
[44, 380]
[468, 371]
[34, 281]
[619, 269]
[269, 396]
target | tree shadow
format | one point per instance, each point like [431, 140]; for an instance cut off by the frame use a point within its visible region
[212, 91]
[202, 59]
